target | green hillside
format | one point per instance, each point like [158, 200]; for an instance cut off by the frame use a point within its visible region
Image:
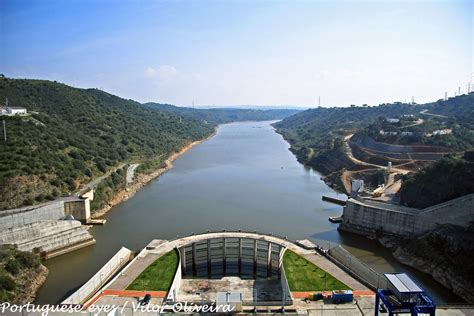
[224, 115]
[444, 180]
[75, 134]
[316, 134]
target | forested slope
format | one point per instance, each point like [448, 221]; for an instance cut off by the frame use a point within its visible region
[73, 135]
[224, 115]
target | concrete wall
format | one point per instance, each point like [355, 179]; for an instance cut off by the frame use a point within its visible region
[218, 257]
[357, 268]
[369, 217]
[78, 208]
[174, 288]
[285, 287]
[100, 278]
[46, 236]
[27, 215]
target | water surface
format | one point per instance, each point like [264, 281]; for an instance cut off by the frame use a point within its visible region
[243, 178]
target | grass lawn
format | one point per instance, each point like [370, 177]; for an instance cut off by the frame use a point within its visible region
[157, 276]
[302, 275]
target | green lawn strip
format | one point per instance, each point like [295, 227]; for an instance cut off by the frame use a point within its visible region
[303, 275]
[159, 275]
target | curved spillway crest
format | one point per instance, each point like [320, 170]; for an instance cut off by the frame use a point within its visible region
[246, 258]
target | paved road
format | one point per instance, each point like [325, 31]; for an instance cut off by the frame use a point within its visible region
[131, 172]
[96, 181]
[425, 112]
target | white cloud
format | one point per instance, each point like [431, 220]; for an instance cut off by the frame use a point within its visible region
[164, 72]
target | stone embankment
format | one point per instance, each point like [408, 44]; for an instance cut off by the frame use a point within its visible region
[442, 273]
[34, 281]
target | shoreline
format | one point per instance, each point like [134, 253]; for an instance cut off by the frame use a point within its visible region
[144, 179]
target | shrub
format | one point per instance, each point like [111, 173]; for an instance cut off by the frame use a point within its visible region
[12, 266]
[27, 259]
[7, 283]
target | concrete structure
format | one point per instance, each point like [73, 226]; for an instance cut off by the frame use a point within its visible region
[247, 258]
[44, 227]
[365, 216]
[51, 238]
[13, 110]
[28, 215]
[357, 187]
[260, 269]
[85, 292]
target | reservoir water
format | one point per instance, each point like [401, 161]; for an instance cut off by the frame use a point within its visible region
[242, 178]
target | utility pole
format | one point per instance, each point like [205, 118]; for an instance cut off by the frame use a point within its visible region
[459, 91]
[412, 100]
[446, 96]
[4, 131]
[319, 101]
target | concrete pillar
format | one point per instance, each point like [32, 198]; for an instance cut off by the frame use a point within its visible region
[224, 256]
[240, 257]
[255, 249]
[194, 259]
[209, 263]
[182, 251]
[269, 260]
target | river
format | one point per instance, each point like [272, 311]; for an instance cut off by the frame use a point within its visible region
[242, 178]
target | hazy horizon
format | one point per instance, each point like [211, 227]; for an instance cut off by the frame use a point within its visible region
[244, 53]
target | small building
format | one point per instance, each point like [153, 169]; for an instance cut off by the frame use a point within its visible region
[357, 187]
[384, 133]
[442, 132]
[403, 296]
[393, 120]
[13, 110]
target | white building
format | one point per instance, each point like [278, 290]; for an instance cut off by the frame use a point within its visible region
[15, 110]
[393, 120]
[384, 133]
[442, 132]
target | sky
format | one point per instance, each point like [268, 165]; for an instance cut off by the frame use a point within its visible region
[217, 53]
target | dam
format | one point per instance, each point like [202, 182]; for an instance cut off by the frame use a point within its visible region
[243, 178]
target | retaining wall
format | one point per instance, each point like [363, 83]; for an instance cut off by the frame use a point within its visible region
[357, 268]
[27, 215]
[86, 291]
[369, 217]
[47, 236]
[173, 292]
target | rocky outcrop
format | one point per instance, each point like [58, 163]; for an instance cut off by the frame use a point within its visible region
[444, 253]
[443, 273]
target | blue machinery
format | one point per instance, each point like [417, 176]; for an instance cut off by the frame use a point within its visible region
[403, 296]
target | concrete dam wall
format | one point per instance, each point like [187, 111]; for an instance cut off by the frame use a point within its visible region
[28, 215]
[244, 257]
[369, 217]
[43, 227]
